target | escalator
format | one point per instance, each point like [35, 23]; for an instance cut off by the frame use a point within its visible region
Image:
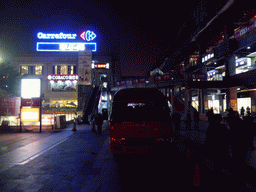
[179, 106]
[92, 105]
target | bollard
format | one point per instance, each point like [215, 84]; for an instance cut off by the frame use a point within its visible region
[93, 127]
[74, 126]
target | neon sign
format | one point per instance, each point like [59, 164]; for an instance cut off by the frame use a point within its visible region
[62, 77]
[41, 35]
[100, 66]
[57, 46]
[88, 35]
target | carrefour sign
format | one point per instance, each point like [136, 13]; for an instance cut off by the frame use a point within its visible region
[56, 41]
[56, 36]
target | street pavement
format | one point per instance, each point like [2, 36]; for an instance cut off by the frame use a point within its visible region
[81, 160]
[193, 139]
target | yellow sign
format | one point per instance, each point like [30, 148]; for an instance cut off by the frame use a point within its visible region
[233, 104]
[29, 114]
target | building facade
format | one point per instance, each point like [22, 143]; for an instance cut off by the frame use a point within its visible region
[67, 78]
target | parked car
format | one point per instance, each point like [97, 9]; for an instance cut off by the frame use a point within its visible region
[140, 121]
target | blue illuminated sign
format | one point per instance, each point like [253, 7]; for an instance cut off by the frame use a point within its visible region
[55, 43]
[57, 46]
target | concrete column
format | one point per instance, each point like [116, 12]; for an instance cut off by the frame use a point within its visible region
[171, 93]
[220, 97]
[231, 98]
[230, 64]
[253, 101]
[187, 100]
[200, 101]
[205, 100]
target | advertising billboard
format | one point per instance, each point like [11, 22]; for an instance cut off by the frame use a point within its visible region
[30, 114]
[30, 88]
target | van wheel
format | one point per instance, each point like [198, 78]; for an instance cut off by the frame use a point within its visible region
[118, 157]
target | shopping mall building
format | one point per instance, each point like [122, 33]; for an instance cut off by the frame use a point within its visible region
[220, 75]
[69, 67]
[229, 65]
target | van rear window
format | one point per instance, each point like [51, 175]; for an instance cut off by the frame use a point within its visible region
[139, 111]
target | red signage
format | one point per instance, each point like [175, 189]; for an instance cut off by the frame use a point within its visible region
[33, 102]
[10, 106]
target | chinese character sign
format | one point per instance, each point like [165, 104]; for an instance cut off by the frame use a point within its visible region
[84, 67]
[10, 106]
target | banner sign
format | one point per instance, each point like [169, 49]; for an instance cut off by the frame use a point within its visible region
[30, 102]
[85, 67]
[10, 106]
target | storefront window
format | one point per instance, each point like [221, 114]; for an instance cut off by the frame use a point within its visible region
[64, 70]
[243, 102]
[38, 70]
[24, 70]
[215, 75]
[195, 102]
[63, 86]
[243, 65]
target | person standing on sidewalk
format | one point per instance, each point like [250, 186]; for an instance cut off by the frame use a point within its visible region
[210, 115]
[217, 141]
[242, 112]
[196, 119]
[216, 147]
[188, 120]
[176, 119]
[249, 131]
[239, 149]
[248, 110]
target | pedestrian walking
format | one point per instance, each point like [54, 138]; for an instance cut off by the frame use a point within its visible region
[248, 110]
[210, 115]
[196, 119]
[188, 121]
[216, 146]
[249, 131]
[217, 140]
[176, 119]
[242, 112]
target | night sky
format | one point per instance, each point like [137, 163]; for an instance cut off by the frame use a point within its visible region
[141, 34]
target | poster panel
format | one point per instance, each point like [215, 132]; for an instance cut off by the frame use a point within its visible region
[84, 67]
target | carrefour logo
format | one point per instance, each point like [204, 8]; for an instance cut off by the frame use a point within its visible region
[88, 35]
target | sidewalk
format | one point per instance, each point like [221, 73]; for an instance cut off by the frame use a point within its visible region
[194, 139]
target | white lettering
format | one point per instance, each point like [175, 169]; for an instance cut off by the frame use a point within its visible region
[62, 77]
[61, 35]
[39, 35]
